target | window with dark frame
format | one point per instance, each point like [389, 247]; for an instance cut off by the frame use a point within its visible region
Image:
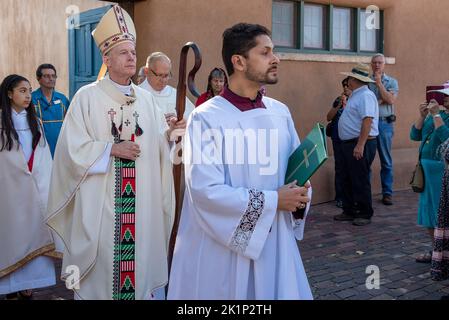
[303, 26]
[284, 25]
[342, 29]
[314, 26]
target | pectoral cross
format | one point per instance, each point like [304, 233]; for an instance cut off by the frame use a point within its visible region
[112, 113]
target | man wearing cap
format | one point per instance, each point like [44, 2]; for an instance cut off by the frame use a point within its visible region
[158, 73]
[358, 130]
[111, 197]
[386, 90]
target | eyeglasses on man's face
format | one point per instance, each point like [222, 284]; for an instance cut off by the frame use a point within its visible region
[161, 76]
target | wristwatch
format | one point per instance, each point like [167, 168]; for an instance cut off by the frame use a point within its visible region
[437, 115]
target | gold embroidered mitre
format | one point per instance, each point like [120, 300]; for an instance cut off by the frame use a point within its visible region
[115, 27]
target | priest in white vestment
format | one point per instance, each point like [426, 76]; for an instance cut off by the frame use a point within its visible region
[237, 234]
[158, 73]
[25, 175]
[112, 196]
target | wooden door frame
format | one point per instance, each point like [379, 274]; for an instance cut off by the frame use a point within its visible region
[89, 16]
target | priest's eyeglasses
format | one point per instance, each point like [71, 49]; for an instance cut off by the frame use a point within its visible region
[161, 76]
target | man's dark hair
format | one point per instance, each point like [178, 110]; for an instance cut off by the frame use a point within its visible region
[42, 67]
[239, 39]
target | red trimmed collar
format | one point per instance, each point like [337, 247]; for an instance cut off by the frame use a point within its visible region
[242, 103]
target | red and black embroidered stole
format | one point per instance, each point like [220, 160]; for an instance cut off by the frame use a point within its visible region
[124, 282]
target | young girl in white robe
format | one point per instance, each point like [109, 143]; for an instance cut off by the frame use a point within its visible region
[25, 168]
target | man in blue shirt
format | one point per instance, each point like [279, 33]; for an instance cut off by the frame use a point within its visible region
[386, 90]
[51, 106]
[357, 130]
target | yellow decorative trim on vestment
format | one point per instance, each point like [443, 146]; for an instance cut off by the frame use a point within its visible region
[54, 254]
[28, 258]
[52, 121]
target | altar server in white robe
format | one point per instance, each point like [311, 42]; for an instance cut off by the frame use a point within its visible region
[25, 168]
[112, 196]
[237, 235]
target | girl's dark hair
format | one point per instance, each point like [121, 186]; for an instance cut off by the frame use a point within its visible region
[215, 73]
[8, 134]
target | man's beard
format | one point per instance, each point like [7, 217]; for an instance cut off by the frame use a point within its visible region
[262, 78]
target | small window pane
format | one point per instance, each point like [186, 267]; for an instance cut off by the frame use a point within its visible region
[341, 28]
[283, 24]
[368, 37]
[313, 26]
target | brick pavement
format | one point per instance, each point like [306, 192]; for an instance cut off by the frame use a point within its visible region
[336, 255]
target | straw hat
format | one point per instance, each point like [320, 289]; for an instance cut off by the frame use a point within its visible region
[360, 72]
[115, 27]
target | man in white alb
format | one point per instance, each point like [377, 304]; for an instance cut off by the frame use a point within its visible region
[237, 234]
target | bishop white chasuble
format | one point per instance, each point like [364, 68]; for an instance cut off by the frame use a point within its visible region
[115, 223]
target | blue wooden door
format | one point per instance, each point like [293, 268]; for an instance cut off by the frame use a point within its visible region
[84, 57]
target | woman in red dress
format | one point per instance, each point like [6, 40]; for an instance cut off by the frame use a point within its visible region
[215, 83]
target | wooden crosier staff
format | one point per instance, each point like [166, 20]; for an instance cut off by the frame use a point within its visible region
[180, 107]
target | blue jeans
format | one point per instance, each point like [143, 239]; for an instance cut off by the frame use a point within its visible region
[384, 139]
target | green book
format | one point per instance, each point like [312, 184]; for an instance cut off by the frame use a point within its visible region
[308, 157]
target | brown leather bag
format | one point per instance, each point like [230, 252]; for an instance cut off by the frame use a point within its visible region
[418, 180]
